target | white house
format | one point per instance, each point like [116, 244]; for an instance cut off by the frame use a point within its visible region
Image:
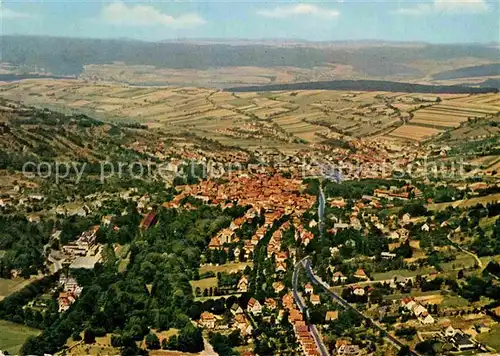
[358, 291]
[254, 306]
[426, 318]
[339, 277]
[308, 288]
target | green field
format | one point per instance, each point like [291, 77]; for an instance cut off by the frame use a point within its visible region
[400, 272]
[454, 301]
[462, 260]
[13, 336]
[9, 286]
[492, 338]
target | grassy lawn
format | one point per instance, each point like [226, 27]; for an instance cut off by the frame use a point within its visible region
[102, 346]
[204, 283]
[9, 286]
[487, 222]
[492, 338]
[463, 260]
[454, 301]
[227, 268]
[13, 336]
[414, 293]
[122, 253]
[400, 272]
[486, 259]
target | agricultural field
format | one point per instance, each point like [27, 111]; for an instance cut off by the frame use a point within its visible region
[289, 117]
[384, 276]
[430, 119]
[13, 336]
[212, 77]
[413, 132]
[454, 112]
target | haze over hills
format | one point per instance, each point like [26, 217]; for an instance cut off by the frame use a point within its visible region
[294, 42]
[214, 63]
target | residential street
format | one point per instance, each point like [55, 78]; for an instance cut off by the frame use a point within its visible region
[316, 280]
[302, 306]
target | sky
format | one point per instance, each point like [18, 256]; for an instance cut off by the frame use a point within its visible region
[434, 21]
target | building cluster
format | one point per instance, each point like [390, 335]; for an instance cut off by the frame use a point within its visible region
[460, 340]
[185, 151]
[261, 191]
[301, 329]
[418, 310]
[240, 321]
[84, 252]
[69, 293]
[404, 193]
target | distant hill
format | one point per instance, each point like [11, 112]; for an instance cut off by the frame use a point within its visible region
[20, 76]
[486, 70]
[67, 56]
[491, 83]
[369, 85]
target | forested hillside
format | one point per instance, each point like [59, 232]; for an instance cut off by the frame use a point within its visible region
[368, 85]
[67, 56]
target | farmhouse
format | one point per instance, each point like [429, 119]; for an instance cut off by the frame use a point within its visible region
[359, 291]
[270, 304]
[426, 318]
[241, 323]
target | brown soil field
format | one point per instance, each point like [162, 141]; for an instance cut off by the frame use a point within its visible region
[413, 132]
[296, 114]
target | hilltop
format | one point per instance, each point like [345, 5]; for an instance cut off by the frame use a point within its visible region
[213, 63]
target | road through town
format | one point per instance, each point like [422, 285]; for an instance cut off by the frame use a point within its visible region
[306, 262]
[303, 308]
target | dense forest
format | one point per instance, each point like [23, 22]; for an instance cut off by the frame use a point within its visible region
[368, 85]
[485, 70]
[153, 292]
